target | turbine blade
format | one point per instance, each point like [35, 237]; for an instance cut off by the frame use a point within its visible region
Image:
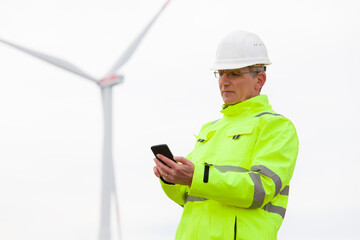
[53, 60]
[131, 49]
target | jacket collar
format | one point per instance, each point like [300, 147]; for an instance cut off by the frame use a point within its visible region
[247, 107]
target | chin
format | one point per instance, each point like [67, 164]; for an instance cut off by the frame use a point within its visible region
[230, 102]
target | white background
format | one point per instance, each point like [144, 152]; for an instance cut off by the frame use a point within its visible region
[51, 121]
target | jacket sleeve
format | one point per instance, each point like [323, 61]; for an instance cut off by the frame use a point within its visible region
[273, 162]
[177, 192]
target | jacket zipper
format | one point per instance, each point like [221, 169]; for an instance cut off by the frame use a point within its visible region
[206, 172]
[235, 228]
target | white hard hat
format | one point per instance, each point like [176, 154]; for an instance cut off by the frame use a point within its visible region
[240, 49]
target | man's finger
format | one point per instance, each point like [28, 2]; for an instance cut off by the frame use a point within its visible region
[162, 168]
[156, 171]
[166, 160]
[183, 160]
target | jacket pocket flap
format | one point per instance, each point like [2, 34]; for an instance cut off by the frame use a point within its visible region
[240, 130]
[205, 135]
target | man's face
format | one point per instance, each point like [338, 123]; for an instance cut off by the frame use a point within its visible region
[238, 85]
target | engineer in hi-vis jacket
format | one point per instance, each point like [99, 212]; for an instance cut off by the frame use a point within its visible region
[235, 183]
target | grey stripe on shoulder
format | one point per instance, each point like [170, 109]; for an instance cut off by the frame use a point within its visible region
[264, 113]
[215, 121]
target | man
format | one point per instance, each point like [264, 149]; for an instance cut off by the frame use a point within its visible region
[235, 183]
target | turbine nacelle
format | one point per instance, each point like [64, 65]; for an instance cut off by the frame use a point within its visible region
[111, 81]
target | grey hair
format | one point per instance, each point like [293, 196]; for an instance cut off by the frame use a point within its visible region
[255, 69]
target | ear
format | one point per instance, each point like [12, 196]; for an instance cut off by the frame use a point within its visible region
[260, 81]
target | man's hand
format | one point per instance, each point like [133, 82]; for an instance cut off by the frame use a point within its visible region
[174, 172]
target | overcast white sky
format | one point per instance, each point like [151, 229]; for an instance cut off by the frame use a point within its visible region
[51, 121]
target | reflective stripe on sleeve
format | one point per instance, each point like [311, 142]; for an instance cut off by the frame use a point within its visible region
[267, 172]
[190, 198]
[259, 191]
[229, 168]
[285, 191]
[275, 209]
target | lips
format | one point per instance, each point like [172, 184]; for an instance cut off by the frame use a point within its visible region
[227, 91]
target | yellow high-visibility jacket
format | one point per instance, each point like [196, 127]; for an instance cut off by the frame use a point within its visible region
[243, 166]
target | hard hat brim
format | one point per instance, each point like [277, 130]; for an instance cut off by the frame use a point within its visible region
[238, 63]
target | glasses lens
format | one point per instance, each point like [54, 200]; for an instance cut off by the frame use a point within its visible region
[230, 73]
[221, 73]
[218, 74]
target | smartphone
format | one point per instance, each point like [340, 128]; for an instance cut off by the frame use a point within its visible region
[164, 150]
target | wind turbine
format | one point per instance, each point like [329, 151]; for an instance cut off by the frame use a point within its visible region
[111, 79]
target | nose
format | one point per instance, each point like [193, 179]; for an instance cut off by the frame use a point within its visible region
[224, 80]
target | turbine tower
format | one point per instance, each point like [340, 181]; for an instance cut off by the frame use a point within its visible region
[108, 187]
